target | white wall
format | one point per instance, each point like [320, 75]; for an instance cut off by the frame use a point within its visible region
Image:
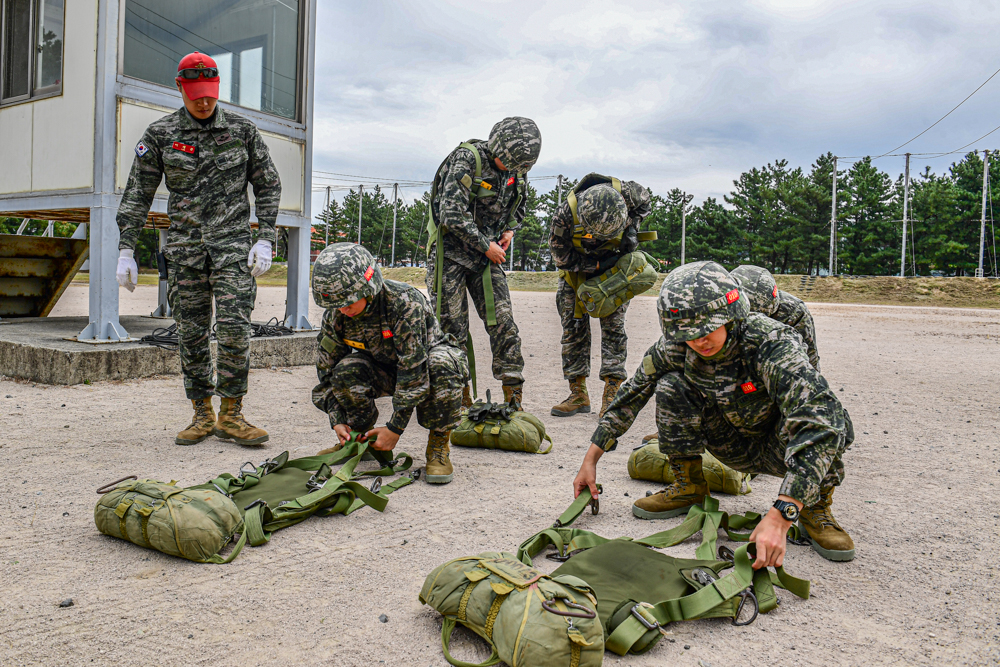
[48, 144]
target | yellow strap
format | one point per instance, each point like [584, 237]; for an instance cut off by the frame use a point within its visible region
[355, 344]
[464, 602]
[574, 279]
[648, 236]
[491, 617]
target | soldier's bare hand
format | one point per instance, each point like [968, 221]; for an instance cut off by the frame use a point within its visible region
[496, 254]
[343, 432]
[505, 238]
[385, 440]
[769, 535]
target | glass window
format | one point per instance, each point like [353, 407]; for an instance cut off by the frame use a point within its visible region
[254, 42]
[48, 64]
[31, 41]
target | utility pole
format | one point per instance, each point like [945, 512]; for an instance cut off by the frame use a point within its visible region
[559, 190]
[906, 201]
[326, 212]
[361, 203]
[833, 219]
[982, 226]
[395, 210]
[684, 202]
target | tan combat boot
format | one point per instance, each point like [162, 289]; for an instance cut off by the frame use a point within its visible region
[578, 401]
[201, 426]
[610, 389]
[688, 488]
[466, 397]
[828, 539]
[515, 391]
[232, 426]
[439, 469]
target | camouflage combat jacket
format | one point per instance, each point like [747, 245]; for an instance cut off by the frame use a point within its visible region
[792, 311]
[396, 330]
[568, 257]
[207, 170]
[472, 224]
[763, 384]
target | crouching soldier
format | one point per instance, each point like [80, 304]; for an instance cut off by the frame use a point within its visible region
[766, 299]
[739, 385]
[380, 338]
[596, 225]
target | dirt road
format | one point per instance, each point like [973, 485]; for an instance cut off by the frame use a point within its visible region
[920, 499]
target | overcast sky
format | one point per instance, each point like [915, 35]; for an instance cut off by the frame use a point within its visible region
[669, 94]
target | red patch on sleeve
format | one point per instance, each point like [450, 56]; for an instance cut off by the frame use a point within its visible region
[748, 387]
[510, 181]
[386, 333]
[184, 148]
[732, 296]
[369, 273]
[774, 293]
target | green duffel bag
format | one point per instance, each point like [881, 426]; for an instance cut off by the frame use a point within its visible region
[633, 274]
[648, 463]
[191, 523]
[501, 426]
[528, 618]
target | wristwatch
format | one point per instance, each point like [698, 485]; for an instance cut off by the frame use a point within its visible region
[789, 511]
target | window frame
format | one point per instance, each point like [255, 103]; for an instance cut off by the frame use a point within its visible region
[301, 59]
[33, 94]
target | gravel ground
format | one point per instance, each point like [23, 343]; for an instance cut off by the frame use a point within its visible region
[920, 500]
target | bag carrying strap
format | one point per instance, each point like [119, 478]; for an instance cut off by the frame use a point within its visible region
[447, 627]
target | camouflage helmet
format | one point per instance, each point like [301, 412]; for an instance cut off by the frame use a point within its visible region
[698, 298]
[345, 273]
[517, 142]
[759, 286]
[602, 211]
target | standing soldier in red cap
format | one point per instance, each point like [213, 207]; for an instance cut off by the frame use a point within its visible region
[207, 156]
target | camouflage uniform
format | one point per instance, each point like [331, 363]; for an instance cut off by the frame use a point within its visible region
[758, 406]
[471, 224]
[589, 261]
[392, 348]
[207, 170]
[766, 298]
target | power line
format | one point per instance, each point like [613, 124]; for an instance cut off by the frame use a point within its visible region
[941, 118]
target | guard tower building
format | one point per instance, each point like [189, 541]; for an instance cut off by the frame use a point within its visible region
[80, 80]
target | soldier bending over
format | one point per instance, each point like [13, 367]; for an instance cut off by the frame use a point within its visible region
[380, 338]
[740, 385]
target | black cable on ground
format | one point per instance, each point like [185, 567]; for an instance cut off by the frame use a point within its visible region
[166, 338]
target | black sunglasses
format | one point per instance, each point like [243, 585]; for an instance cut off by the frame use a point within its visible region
[195, 72]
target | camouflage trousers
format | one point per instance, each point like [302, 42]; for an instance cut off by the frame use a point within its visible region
[505, 341]
[357, 381]
[190, 291]
[687, 425]
[576, 338]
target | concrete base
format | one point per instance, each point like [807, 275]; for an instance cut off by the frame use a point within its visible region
[36, 349]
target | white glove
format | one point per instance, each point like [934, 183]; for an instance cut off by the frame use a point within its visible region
[128, 272]
[259, 259]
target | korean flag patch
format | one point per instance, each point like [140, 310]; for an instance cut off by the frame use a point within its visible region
[141, 149]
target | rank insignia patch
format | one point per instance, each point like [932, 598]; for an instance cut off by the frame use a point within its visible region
[748, 387]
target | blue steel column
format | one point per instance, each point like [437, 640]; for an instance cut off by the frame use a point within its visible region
[299, 238]
[103, 312]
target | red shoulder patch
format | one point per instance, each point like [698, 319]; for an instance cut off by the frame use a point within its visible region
[510, 181]
[386, 333]
[748, 387]
[369, 273]
[774, 293]
[732, 296]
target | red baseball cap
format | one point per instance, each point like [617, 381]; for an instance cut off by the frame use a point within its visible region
[202, 86]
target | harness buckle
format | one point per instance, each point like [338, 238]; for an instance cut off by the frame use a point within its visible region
[637, 611]
[725, 553]
[747, 593]
[376, 485]
[243, 469]
[259, 501]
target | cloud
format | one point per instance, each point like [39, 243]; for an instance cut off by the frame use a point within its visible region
[670, 94]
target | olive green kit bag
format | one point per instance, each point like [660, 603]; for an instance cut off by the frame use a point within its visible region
[501, 426]
[197, 522]
[638, 590]
[632, 274]
[527, 617]
[648, 463]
